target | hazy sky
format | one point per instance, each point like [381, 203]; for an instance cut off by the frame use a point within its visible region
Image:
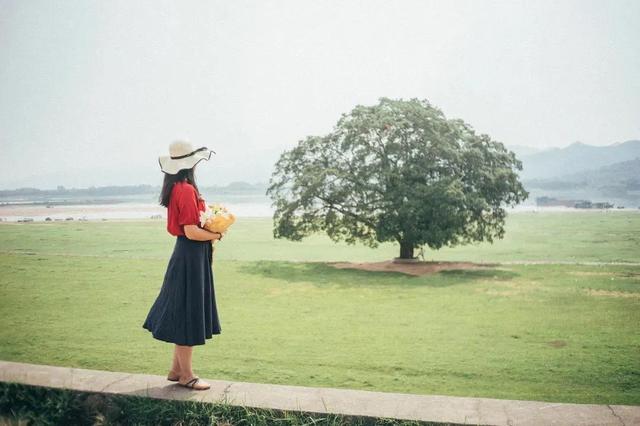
[92, 92]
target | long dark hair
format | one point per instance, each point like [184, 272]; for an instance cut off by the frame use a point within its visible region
[169, 180]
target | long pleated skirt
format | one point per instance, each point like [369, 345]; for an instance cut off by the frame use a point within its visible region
[185, 311]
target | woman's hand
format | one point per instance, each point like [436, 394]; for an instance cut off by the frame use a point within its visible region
[194, 232]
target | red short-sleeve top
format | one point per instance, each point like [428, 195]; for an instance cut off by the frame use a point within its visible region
[184, 208]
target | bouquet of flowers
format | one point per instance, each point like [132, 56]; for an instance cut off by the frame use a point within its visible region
[216, 218]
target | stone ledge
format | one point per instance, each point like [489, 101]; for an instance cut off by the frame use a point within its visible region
[324, 400]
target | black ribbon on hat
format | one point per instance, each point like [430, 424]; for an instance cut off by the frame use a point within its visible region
[204, 148]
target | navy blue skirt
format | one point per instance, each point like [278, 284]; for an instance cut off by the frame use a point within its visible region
[185, 311]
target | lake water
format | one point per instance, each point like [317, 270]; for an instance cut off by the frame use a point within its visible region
[122, 207]
[16, 210]
[124, 210]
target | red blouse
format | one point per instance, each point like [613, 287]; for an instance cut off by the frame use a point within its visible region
[184, 208]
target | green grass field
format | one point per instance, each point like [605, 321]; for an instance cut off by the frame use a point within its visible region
[76, 294]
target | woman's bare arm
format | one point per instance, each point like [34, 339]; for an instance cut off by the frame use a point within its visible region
[194, 232]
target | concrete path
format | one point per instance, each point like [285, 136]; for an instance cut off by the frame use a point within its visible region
[434, 408]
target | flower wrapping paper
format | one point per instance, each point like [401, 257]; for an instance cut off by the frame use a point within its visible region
[216, 218]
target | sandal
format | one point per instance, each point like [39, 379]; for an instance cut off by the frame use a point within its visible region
[191, 384]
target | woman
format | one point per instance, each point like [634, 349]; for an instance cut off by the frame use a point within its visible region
[185, 311]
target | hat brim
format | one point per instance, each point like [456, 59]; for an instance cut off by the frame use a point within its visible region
[172, 166]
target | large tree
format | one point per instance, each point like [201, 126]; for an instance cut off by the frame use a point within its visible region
[396, 171]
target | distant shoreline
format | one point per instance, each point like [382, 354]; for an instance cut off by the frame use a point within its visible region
[110, 210]
[142, 219]
[68, 212]
[61, 203]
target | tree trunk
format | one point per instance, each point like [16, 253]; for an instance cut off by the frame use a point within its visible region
[406, 250]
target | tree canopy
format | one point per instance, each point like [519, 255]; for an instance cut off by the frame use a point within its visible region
[396, 171]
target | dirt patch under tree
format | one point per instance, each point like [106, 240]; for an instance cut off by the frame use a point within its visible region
[414, 268]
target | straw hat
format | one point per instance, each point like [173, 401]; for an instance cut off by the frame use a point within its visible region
[183, 156]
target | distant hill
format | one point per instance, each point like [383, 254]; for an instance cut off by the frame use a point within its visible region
[106, 191]
[619, 180]
[625, 173]
[576, 158]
